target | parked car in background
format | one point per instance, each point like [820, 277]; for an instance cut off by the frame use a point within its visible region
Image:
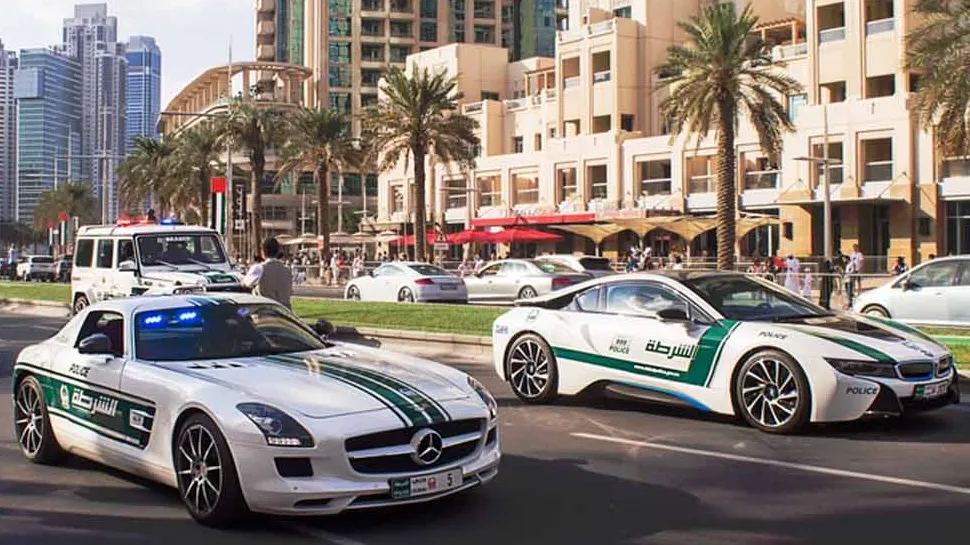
[4, 268]
[511, 279]
[63, 268]
[36, 267]
[407, 282]
[933, 293]
[589, 264]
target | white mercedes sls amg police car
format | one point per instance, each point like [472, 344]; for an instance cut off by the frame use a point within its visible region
[241, 406]
[721, 342]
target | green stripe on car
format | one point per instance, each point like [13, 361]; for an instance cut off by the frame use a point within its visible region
[893, 324]
[861, 348]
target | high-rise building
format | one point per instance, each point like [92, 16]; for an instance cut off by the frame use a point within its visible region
[47, 90]
[8, 133]
[534, 27]
[92, 36]
[144, 88]
[279, 30]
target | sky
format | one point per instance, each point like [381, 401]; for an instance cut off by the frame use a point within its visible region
[192, 34]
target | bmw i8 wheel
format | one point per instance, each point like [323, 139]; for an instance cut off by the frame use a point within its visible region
[772, 393]
[206, 474]
[532, 371]
[32, 424]
[353, 293]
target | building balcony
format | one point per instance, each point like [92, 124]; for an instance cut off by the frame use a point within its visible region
[568, 83]
[266, 6]
[265, 52]
[761, 179]
[701, 184]
[571, 35]
[472, 107]
[603, 27]
[515, 104]
[789, 52]
[600, 77]
[831, 35]
[372, 5]
[880, 26]
[655, 187]
[265, 27]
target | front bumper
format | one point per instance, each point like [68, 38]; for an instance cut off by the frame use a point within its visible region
[889, 403]
[335, 486]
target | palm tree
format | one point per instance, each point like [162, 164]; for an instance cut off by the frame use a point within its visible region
[318, 141]
[939, 51]
[72, 198]
[418, 118]
[196, 150]
[254, 130]
[145, 173]
[719, 74]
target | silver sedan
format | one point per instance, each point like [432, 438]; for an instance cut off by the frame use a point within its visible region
[511, 279]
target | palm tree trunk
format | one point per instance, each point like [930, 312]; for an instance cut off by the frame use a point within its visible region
[258, 162]
[321, 177]
[726, 185]
[420, 238]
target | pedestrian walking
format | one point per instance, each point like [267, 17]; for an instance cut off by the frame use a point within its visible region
[270, 278]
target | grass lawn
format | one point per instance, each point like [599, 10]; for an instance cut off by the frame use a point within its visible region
[463, 319]
[36, 291]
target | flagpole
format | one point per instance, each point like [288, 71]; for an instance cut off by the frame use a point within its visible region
[229, 219]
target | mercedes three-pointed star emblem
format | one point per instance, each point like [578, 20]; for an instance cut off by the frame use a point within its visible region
[427, 446]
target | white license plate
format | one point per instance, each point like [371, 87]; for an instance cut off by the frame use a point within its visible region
[447, 287]
[426, 484]
[929, 391]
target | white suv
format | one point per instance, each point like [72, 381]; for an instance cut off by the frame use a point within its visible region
[148, 259]
[36, 267]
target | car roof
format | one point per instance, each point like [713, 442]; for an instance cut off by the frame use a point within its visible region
[140, 229]
[570, 256]
[131, 305]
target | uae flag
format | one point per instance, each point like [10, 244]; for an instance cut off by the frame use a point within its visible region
[217, 215]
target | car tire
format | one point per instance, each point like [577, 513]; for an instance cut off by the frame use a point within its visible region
[772, 393]
[405, 296]
[353, 293]
[876, 310]
[527, 292]
[80, 302]
[208, 482]
[32, 424]
[531, 370]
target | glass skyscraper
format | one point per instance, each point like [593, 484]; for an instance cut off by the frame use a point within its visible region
[144, 88]
[47, 90]
[8, 133]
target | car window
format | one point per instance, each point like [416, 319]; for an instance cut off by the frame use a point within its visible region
[740, 297]
[42, 259]
[588, 301]
[106, 253]
[935, 275]
[126, 250]
[179, 249]
[964, 279]
[492, 270]
[106, 323]
[642, 298]
[429, 270]
[553, 267]
[595, 263]
[386, 270]
[84, 252]
[511, 268]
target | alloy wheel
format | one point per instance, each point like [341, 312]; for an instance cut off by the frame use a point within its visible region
[353, 294]
[769, 392]
[405, 296]
[29, 420]
[529, 369]
[199, 470]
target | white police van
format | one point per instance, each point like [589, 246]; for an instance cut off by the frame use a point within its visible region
[148, 258]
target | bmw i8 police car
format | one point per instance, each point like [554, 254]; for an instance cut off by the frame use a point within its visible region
[721, 342]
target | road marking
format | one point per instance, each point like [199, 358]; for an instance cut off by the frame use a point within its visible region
[778, 463]
[309, 531]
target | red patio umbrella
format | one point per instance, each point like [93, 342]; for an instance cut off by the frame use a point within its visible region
[523, 234]
[471, 235]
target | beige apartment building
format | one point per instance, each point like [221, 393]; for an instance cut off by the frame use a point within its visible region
[576, 142]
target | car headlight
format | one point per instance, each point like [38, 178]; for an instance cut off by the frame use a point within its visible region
[279, 428]
[863, 368]
[486, 396]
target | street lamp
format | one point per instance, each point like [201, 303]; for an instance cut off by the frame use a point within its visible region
[826, 163]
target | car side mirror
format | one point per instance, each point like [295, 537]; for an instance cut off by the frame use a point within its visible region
[95, 345]
[324, 328]
[673, 314]
[127, 266]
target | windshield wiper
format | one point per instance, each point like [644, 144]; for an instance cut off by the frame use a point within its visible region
[801, 317]
[207, 268]
[160, 262]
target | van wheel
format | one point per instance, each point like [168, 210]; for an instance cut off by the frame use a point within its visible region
[80, 302]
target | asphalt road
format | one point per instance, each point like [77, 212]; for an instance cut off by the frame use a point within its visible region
[585, 471]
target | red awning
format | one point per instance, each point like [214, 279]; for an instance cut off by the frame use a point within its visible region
[470, 235]
[584, 217]
[523, 234]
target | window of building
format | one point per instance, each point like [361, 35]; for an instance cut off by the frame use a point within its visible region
[566, 184]
[795, 103]
[372, 5]
[484, 34]
[655, 177]
[570, 127]
[352, 185]
[537, 142]
[913, 82]
[368, 99]
[372, 27]
[340, 26]
[370, 184]
[458, 35]
[340, 6]
[489, 95]
[371, 52]
[401, 29]
[552, 131]
[397, 198]
[879, 16]
[275, 213]
[626, 122]
[370, 77]
[517, 144]
[835, 170]
[625, 12]
[484, 9]
[831, 23]
[526, 187]
[835, 89]
[602, 123]
[340, 76]
[341, 103]
[340, 52]
[457, 196]
[489, 190]
[458, 8]
[399, 53]
[881, 86]
[401, 6]
[429, 9]
[598, 182]
[877, 160]
[429, 32]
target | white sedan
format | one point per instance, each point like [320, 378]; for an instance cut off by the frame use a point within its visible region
[242, 407]
[407, 282]
[721, 342]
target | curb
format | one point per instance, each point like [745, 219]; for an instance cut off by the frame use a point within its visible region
[420, 336]
[4, 302]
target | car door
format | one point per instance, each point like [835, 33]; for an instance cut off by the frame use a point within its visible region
[103, 265]
[509, 280]
[482, 285]
[384, 285]
[85, 386]
[628, 328]
[922, 296]
[82, 274]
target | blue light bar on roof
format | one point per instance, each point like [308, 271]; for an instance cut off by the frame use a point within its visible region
[169, 221]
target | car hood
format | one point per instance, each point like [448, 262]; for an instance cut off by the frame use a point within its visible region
[190, 278]
[881, 340]
[337, 381]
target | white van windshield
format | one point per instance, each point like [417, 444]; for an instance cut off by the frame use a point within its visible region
[180, 249]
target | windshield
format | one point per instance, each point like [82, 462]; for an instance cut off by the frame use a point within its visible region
[220, 331]
[429, 270]
[553, 267]
[180, 249]
[745, 298]
[42, 259]
[595, 263]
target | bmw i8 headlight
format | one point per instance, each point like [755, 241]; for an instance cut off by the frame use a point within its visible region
[863, 368]
[279, 428]
[486, 396]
